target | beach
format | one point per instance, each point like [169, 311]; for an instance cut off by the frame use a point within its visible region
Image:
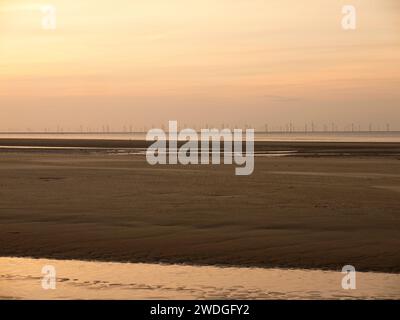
[203, 150]
[314, 211]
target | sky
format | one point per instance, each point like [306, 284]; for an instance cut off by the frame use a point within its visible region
[141, 63]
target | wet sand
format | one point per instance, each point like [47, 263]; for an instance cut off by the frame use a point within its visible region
[303, 148]
[21, 278]
[293, 212]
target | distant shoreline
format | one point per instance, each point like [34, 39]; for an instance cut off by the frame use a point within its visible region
[296, 148]
[256, 132]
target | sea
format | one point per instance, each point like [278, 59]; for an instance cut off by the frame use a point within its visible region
[364, 136]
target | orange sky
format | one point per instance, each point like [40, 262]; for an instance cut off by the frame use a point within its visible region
[127, 62]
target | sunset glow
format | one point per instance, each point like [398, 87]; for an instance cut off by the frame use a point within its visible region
[281, 59]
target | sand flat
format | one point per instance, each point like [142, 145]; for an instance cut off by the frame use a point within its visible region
[110, 208]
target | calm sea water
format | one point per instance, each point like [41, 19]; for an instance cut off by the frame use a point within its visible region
[380, 136]
[20, 278]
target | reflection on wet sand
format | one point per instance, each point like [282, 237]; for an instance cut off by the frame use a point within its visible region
[20, 278]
